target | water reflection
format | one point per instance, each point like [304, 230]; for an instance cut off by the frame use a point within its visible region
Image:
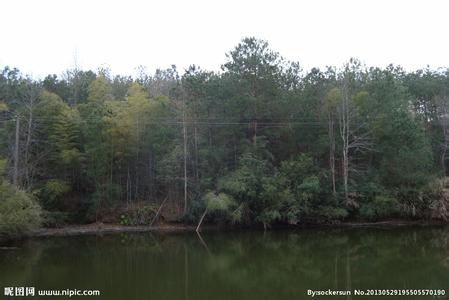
[233, 265]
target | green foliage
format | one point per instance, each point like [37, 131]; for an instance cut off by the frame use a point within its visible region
[245, 182]
[300, 177]
[220, 202]
[250, 185]
[196, 209]
[19, 213]
[2, 169]
[58, 131]
[381, 207]
[99, 90]
[3, 106]
[220, 207]
[54, 219]
[52, 192]
[435, 198]
[330, 213]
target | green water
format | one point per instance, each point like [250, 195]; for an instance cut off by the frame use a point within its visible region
[232, 265]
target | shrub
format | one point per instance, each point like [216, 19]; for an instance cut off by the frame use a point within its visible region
[19, 213]
[222, 207]
[138, 215]
[330, 213]
[52, 193]
[195, 209]
[380, 207]
[436, 198]
[54, 219]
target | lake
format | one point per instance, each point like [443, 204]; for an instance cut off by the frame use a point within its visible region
[278, 264]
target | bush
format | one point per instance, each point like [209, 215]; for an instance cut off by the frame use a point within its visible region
[54, 219]
[138, 215]
[52, 192]
[195, 209]
[436, 199]
[220, 208]
[19, 213]
[380, 207]
[330, 213]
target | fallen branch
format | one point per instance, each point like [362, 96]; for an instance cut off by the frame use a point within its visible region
[201, 220]
[158, 211]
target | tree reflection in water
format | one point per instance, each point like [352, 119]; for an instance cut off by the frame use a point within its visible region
[233, 265]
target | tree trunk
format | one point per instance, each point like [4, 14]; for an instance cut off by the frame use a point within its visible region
[128, 188]
[443, 160]
[27, 145]
[196, 154]
[136, 165]
[158, 212]
[442, 103]
[150, 178]
[346, 160]
[184, 131]
[255, 133]
[445, 146]
[344, 133]
[15, 177]
[332, 152]
[111, 171]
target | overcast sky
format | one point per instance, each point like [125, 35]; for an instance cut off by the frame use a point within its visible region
[45, 36]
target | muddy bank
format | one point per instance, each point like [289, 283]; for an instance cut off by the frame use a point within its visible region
[99, 228]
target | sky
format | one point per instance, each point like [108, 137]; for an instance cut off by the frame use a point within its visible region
[49, 36]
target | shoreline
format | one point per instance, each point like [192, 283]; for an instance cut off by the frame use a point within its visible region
[101, 228]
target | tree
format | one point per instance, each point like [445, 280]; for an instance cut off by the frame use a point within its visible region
[57, 130]
[257, 70]
[352, 128]
[330, 107]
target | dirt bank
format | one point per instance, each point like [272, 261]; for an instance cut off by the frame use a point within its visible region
[98, 228]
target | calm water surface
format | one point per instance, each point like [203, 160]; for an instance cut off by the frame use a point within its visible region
[233, 265]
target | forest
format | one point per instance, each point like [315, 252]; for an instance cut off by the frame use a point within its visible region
[258, 143]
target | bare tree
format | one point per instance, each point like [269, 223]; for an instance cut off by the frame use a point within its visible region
[355, 139]
[329, 106]
[31, 96]
[345, 114]
[15, 177]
